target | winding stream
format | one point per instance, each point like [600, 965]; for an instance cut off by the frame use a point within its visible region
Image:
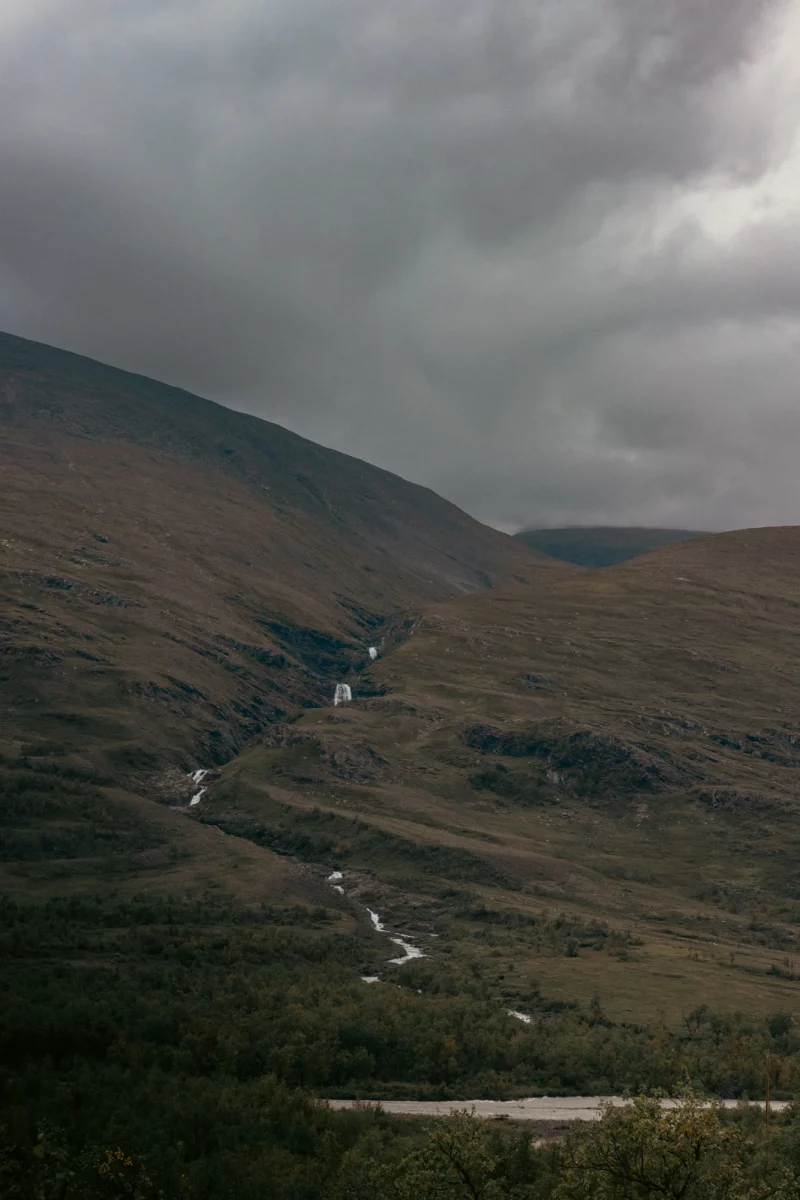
[409, 951]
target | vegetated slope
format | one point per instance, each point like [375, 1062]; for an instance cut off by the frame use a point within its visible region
[175, 575]
[601, 545]
[621, 746]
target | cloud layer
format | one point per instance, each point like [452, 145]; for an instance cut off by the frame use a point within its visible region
[541, 257]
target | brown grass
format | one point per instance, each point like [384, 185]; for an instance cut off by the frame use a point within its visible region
[689, 655]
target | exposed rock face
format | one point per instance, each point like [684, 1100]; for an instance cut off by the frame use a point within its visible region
[734, 801]
[347, 759]
[536, 683]
[587, 760]
[176, 787]
[355, 762]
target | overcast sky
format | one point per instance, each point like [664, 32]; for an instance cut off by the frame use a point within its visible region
[541, 255]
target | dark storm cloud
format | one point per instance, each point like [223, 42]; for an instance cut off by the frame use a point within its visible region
[542, 257]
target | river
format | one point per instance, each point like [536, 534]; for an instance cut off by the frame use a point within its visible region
[536, 1108]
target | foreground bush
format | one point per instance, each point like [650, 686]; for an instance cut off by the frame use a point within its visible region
[643, 1151]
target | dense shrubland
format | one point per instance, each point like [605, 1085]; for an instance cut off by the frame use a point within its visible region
[282, 1146]
[189, 1034]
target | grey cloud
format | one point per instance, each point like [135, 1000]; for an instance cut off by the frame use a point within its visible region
[460, 240]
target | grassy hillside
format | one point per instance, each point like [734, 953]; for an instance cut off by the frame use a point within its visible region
[616, 751]
[576, 798]
[591, 776]
[601, 545]
[174, 575]
[304, 497]
[575, 794]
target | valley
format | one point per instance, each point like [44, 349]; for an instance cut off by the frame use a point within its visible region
[545, 845]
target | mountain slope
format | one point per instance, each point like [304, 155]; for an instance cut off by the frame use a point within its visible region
[584, 785]
[601, 545]
[175, 574]
[427, 547]
[621, 746]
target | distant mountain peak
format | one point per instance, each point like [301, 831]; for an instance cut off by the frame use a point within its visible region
[601, 545]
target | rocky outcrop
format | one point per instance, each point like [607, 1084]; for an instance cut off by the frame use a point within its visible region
[176, 787]
[585, 760]
[732, 800]
[345, 758]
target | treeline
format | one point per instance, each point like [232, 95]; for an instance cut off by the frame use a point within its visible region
[205, 987]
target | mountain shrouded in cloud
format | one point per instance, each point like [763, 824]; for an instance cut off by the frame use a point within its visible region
[543, 259]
